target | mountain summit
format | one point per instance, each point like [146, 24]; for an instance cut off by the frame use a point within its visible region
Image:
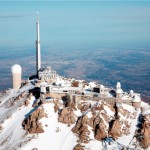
[72, 115]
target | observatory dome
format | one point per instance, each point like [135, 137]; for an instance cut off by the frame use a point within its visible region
[118, 85]
[101, 86]
[131, 91]
[16, 68]
[136, 99]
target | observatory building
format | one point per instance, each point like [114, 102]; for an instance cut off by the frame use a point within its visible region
[16, 76]
[119, 91]
[47, 74]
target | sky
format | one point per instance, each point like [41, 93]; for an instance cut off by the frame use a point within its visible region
[106, 30]
[75, 24]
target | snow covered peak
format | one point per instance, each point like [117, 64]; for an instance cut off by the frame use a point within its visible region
[36, 116]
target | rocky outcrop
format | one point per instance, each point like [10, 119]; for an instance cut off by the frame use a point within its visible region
[96, 118]
[145, 141]
[100, 128]
[78, 147]
[1, 128]
[72, 103]
[84, 106]
[31, 124]
[57, 105]
[100, 131]
[81, 129]
[26, 103]
[67, 116]
[116, 131]
[84, 134]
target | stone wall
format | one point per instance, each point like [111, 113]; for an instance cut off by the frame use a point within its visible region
[56, 95]
[78, 98]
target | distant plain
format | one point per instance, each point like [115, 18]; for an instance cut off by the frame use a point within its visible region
[106, 66]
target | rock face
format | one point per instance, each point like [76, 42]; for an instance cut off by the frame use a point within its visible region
[78, 147]
[1, 128]
[95, 119]
[101, 121]
[31, 124]
[116, 131]
[100, 131]
[145, 142]
[83, 106]
[57, 105]
[81, 128]
[26, 103]
[67, 116]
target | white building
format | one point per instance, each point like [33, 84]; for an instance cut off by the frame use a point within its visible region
[119, 91]
[16, 76]
[48, 75]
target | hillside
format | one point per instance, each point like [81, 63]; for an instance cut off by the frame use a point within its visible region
[27, 122]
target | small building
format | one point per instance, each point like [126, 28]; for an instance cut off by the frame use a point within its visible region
[131, 94]
[72, 90]
[48, 75]
[119, 91]
[136, 102]
[102, 89]
[16, 76]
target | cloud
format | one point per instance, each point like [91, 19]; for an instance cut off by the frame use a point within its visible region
[12, 16]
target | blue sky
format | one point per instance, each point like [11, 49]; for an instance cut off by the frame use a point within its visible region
[78, 24]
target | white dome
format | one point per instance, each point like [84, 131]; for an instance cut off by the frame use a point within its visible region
[119, 91]
[101, 86]
[16, 68]
[136, 99]
[118, 85]
[131, 91]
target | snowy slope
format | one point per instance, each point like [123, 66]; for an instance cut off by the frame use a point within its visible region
[56, 135]
[86, 131]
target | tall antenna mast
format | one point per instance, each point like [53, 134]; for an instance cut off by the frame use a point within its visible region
[38, 48]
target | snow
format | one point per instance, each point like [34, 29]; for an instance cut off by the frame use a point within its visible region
[6, 107]
[125, 140]
[64, 82]
[109, 112]
[54, 132]
[144, 105]
[12, 127]
[93, 144]
[146, 112]
[89, 114]
[56, 136]
[78, 112]
[128, 107]
[92, 84]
